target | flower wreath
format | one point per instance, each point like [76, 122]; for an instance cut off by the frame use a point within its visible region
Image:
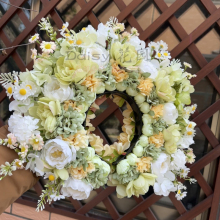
[51, 130]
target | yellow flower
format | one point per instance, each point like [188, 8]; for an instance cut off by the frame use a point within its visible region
[157, 140]
[78, 172]
[91, 82]
[146, 86]
[144, 164]
[158, 111]
[118, 73]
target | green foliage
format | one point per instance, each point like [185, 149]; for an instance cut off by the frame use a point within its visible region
[158, 125]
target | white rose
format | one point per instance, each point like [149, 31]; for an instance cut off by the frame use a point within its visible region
[170, 113]
[148, 67]
[178, 160]
[185, 142]
[102, 34]
[57, 153]
[56, 91]
[161, 165]
[137, 43]
[76, 188]
[99, 55]
[164, 187]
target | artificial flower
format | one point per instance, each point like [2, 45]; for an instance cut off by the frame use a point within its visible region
[146, 86]
[57, 153]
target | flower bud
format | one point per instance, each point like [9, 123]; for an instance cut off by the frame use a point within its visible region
[139, 98]
[131, 159]
[145, 107]
[147, 130]
[143, 140]
[122, 167]
[120, 87]
[131, 92]
[138, 150]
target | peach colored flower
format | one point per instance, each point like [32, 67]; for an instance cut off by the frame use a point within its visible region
[78, 172]
[118, 73]
[144, 164]
[158, 110]
[157, 140]
[146, 86]
[91, 82]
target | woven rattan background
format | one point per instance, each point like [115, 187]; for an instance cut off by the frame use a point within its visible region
[187, 43]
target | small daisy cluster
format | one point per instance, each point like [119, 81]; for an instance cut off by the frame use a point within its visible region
[51, 127]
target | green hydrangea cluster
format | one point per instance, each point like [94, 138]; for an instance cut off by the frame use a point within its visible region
[83, 95]
[69, 122]
[97, 178]
[127, 177]
[81, 160]
[151, 151]
[159, 125]
[153, 98]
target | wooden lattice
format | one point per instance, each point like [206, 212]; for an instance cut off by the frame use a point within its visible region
[187, 41]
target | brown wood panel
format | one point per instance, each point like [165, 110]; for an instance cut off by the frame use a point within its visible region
[178, 204]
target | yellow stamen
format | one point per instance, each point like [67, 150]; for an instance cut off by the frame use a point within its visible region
[29, 86]
[63, 27]
[165, 54]
[67, 35]
[48, 46]
[78, 42]
[179, 191]
[9, 141]
[17, 164]
[33, 38]
[159, 54]
[51, 177]
[56, 154]
[71, 41]
[9, 90]
[193, 108]
[84, 29]
[23, 149]
[22, 92]
[190, 125]
[36, 141]
[189, 132]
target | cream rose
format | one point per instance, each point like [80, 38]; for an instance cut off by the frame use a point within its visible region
[57, 153]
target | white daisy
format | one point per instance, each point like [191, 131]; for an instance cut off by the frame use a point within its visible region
[18, 163]
[190, 133]
[187, 65]
[153, 46]
[191, 125]
[9, 89]
[33, 54]
[64, 27]
[194, 107]
[184, 172]
[162, 45]
[134, 31]
[34, 89]
[159, 55]
[48, 47]
[166, 54]
[50, 176]
[36, 141]
[22, 92]
[24, 150]
[34, 38]
[180, 195]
